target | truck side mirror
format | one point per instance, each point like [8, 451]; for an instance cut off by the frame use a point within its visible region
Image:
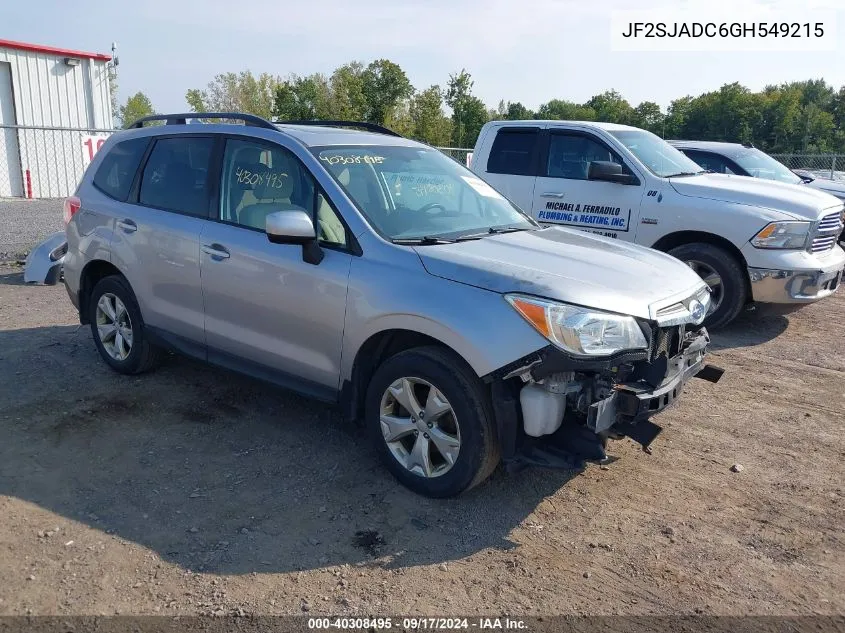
[609, 171]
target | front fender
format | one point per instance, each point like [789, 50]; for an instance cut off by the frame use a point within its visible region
[477, 324]
[735, 222]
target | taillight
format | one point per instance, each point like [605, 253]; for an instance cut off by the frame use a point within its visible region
[71, 206]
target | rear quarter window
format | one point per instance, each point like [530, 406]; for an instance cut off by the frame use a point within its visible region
[514, 151]
[115, 174]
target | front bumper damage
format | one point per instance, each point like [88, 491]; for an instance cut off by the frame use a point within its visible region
[44, 262]
[599, 399]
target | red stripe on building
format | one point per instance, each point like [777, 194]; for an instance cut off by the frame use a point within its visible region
[50, 50]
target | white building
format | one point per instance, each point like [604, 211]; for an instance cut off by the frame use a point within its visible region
[52, 103]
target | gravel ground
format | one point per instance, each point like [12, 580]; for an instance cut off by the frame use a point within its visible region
[190, 490]
[24, 223]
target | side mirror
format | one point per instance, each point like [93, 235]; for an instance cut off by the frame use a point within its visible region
[289, 227]
[609, 171]
[294, 227]
[805, 176]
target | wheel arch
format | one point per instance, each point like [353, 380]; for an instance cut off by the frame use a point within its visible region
[679, 238]
[372, 353]
[92, 273]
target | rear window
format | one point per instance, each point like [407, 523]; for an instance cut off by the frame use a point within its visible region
[117, 171]
[514, 152]
[175, 177]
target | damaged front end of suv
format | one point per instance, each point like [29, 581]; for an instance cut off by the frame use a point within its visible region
[602, 377]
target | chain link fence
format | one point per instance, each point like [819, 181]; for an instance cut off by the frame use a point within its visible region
[460, 154]
[826, 166]
[45, 162]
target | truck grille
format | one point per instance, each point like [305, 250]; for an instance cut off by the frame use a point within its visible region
[826, 233]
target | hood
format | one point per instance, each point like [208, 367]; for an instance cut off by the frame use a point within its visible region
[829, 186]
[799, 202]
[567, 265]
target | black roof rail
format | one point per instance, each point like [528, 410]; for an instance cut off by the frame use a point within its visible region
[181, 119]
[370, 127]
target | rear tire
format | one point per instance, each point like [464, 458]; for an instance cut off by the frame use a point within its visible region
[440, 381]
[725, 276]
[118, 329]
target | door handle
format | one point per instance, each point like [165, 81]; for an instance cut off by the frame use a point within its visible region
[216, 251]
[554, 194]
[127, 226]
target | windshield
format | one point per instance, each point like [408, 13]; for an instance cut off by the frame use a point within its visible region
[657, 155]
[410, 193]
[761, 165]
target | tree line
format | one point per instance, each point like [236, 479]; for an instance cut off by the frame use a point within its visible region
[803, 116]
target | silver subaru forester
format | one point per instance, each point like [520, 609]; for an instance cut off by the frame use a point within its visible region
[345, 262]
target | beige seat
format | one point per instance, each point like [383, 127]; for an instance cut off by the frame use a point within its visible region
[271, 197]
[331, 228]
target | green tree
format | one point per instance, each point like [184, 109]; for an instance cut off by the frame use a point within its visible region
[429, 122]
[384, 86]
[136, 107]
[235, 92]
[783, 119]
[346, 85]
[675, 122]
[610, 107]
[649, 116]
[469, 113]
[560, 109]
[517, 112]
[303, 98]
[399, 119]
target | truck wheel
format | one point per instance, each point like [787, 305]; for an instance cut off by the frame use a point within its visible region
[430, 419]
[723, 274]
[118, 329]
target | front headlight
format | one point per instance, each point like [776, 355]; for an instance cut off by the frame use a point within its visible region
[783, 235]
[578, 330]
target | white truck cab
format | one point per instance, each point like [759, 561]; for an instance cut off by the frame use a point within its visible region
[751, 240]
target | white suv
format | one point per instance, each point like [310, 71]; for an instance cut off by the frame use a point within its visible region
[750, 240]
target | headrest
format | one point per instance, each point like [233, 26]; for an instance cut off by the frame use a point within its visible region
[180, 172]
[246, 173]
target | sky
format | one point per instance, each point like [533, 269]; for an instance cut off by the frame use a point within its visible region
[517, 50]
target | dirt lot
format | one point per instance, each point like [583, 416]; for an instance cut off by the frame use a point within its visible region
[191, 490]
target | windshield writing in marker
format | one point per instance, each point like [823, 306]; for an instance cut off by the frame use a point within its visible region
[352, 159]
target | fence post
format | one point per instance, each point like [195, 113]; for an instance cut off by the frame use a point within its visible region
[833, 168]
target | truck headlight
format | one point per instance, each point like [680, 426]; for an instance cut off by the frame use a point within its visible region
[783, 235]
[578, 330]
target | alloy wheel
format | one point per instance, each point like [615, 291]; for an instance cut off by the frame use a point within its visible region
[713, 280]
[420, 427]
[114, 327]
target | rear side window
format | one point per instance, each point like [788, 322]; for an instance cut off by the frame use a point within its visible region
[514, 152]
[175, 177]
[117, 171]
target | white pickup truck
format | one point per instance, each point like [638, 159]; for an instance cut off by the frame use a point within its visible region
[751, 240]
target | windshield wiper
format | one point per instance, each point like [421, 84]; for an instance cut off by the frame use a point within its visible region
[688, 173]
[509, 229]
[494, 230]
[426, 240]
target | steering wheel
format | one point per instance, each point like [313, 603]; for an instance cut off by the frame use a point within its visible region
[431, 206]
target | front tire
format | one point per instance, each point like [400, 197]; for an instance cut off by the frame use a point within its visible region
[118, 329]
[430, 419]
[725, 276]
